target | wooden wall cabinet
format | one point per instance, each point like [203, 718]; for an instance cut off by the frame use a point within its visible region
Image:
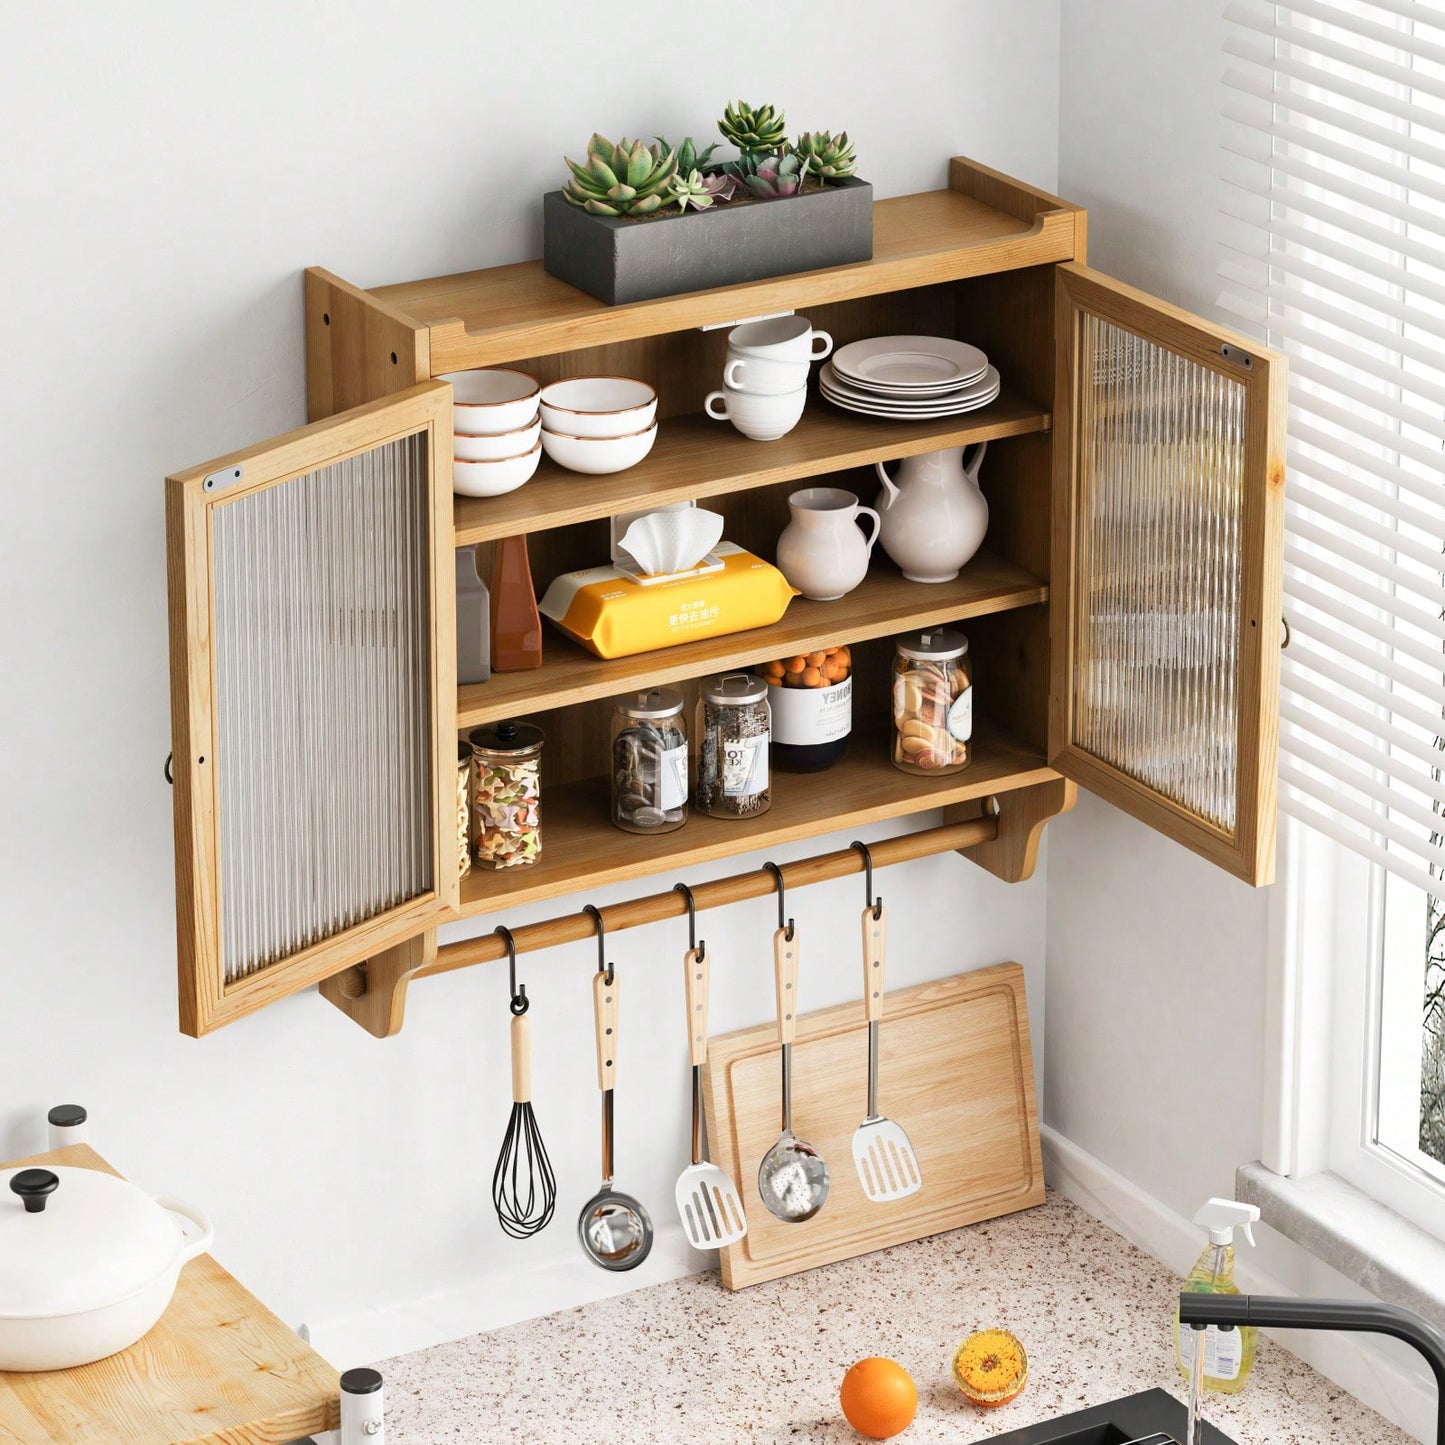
[1123, 618]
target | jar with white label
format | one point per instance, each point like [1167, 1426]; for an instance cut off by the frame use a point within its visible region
[811, 697]
[734, 726]
[649, 762]
[932, 702]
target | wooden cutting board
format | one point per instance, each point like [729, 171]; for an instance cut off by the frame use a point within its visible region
[955, 1070]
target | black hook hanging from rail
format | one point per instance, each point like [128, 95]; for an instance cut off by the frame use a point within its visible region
[595, 915]
[520, 1003]
[877, 907]
[782, 899]
[692, 943]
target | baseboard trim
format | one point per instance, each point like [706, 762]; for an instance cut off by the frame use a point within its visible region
[1351, 1361]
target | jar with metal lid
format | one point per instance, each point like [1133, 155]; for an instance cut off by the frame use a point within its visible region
[932, 702]
[506, 794]
[464, 809]
[649, 762]
[733, 728]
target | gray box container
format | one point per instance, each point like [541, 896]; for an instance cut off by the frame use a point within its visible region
[619, 260]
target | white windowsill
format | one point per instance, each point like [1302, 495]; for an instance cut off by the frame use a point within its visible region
[1395, 1260]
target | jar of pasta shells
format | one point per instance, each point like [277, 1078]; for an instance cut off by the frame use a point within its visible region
[464, 808]
[506, 794]
[932, 702]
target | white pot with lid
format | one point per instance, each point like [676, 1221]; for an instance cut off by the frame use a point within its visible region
[88, 1263]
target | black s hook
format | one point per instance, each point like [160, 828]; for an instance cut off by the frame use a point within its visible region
[692, 943]
[602, 965]
[783, 921]
[520, 1002]
[877, 907]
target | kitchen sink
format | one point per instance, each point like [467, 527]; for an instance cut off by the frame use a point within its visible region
[1152, 1417]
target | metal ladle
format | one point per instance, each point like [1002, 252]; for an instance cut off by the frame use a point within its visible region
[792, 1178]
[615, 1230]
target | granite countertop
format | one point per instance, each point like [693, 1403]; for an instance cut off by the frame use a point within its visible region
[690, 1361]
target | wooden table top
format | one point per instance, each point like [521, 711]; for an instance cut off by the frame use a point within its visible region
[218, 1369]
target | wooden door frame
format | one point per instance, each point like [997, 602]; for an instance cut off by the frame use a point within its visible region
[1247, 852]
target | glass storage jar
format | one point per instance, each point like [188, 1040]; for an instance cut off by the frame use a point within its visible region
[649, 762]
[506, 794]
[464, 809]
[733, 728]
[811, 698]
[932, 702]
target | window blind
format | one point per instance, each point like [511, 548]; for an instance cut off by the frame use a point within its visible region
[1333, 246]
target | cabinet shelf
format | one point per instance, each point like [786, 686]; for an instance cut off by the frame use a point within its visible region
[582, 850]
[695, 457]
[884, 603]
[485, 318]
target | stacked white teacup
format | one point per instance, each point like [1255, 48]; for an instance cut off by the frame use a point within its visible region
[765, 380]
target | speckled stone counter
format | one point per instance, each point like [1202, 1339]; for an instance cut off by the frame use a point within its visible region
[688, 1361]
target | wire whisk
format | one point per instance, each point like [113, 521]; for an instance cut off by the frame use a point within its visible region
[524, 1188]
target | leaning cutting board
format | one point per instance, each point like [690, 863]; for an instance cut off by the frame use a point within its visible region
[955, 1070]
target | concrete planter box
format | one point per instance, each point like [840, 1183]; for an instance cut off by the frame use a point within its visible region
[619, 261]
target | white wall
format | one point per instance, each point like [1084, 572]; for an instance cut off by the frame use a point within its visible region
[1156, 959]
[169, 170]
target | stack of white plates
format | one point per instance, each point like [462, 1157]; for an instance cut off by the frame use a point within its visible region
[922, 377]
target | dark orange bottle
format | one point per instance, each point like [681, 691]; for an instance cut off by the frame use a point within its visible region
[516, 623]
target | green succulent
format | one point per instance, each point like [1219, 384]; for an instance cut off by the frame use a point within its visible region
[753, 132]
[626, 179]
[829, 157]
[770, 178]
[691, 190]
[689, 158]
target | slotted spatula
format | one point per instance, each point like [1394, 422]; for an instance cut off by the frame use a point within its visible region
[887, 1165]
[707, 1199]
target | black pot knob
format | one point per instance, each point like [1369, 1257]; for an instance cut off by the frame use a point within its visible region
[34, 1186]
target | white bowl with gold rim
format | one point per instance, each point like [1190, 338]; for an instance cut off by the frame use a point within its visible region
[598, 406]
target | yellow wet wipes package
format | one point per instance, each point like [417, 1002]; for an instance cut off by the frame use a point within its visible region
[614, 616]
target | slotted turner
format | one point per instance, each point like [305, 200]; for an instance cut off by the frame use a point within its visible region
[707, 1199]
[887, 1165]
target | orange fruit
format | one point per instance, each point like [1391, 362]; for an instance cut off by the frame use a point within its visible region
[879, 1398]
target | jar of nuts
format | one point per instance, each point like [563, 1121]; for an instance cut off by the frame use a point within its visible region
[932, 702]
[811, 695]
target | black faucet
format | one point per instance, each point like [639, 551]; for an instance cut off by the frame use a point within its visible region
[1281, 1312]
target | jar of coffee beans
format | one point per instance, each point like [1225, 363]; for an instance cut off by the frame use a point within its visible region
[932, 702]
[733, 728]
[649, 762]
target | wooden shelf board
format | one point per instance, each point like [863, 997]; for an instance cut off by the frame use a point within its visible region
[483, 318]
[582, 850]
[694, 458]
[218, 1369]
[884, 603]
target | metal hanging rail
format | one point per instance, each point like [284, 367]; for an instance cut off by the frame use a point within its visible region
[757, 883]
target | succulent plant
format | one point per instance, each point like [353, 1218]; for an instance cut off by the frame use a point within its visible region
[700, 191]
[753, 132]
[626, 179]
[829, 157]
[689, 157]
[770, 178]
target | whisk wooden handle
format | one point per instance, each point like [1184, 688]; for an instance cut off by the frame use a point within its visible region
[696, 966]
[521, 1059]
[785, 968]
[604, 1010]
[875, 943]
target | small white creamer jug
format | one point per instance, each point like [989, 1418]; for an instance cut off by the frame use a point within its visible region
[933, 514]
[821, 551]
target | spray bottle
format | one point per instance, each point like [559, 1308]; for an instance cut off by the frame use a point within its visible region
[1228, 1353]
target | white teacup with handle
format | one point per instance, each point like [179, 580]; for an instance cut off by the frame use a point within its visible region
[780, 338]
[758, 374]
[758, 415]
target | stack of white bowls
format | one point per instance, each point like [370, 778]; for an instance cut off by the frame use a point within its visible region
[496, 443]
[598, 424]
[765, 381]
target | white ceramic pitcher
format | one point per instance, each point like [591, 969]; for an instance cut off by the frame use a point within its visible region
[933, 514]
[821, 551]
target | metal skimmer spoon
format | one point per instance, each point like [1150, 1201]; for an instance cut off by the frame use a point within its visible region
[615, 1230]
[792, 1179]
